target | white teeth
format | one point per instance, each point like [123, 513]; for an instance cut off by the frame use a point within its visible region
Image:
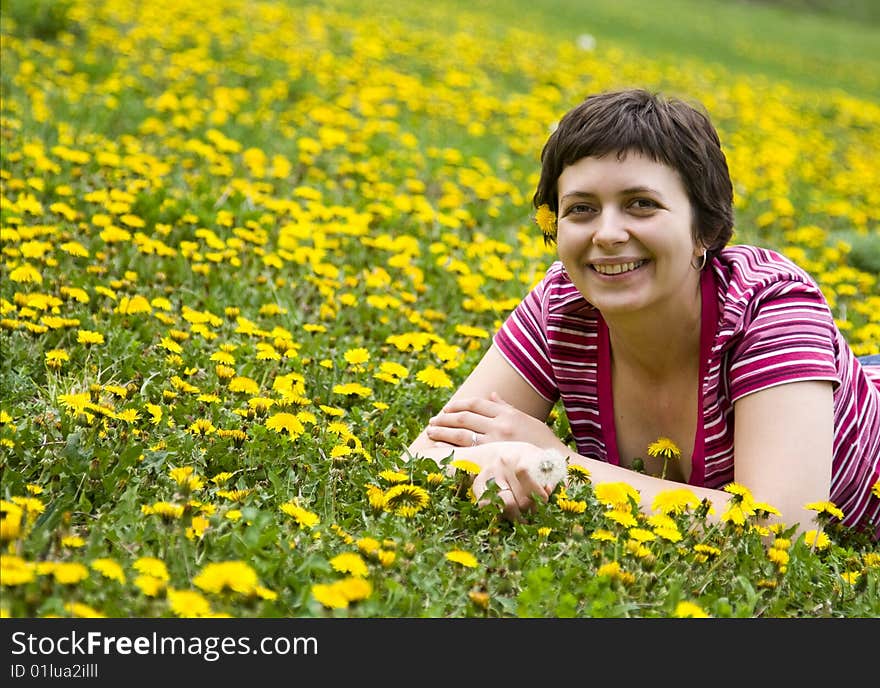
[617, 268]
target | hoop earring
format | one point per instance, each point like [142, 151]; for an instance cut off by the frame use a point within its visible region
[702, 265]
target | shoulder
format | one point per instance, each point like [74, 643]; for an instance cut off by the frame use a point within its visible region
[749, 278]
[748, 269]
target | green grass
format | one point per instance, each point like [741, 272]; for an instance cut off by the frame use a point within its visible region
[406, 147]
[803, 48]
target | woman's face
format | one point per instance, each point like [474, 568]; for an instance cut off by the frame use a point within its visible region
[624, 233]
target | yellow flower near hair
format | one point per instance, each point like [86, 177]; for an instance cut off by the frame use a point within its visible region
[546, 221]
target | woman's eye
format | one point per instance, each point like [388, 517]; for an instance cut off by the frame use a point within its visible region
[643, 204]
[578, 208]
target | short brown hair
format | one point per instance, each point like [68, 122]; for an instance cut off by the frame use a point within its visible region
[668, 131]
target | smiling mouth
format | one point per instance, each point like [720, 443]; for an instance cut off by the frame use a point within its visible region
[618, 268]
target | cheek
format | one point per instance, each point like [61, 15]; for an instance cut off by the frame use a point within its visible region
[567, 243]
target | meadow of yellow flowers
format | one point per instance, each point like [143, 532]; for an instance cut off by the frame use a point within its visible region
[248, 248]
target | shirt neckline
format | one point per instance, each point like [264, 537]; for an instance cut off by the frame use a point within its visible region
[708, 324]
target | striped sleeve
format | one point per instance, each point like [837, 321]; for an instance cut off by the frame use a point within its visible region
[789, 337]
[522, 340]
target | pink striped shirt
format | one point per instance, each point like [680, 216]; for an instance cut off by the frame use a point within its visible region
[765, 322]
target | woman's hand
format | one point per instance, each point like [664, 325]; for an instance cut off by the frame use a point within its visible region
[471, 421]
[523, 474]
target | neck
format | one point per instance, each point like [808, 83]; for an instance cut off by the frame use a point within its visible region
[661, 342]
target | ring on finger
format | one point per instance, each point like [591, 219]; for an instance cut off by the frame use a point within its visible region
[474, 438]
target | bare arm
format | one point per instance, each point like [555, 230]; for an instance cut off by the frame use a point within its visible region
[493, 374]
[783, 444]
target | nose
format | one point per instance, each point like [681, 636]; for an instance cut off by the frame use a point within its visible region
[610, 228]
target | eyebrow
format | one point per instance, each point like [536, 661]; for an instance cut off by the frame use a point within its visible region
[626, 192]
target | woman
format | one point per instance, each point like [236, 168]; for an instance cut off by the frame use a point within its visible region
[648, 326]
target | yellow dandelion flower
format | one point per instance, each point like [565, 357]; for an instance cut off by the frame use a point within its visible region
[393, 476]
[664, 448]
[405, 500]
[641, 535]
[303, 517]
[31, 505]
[376, 496]
[602, 535]
[15, 570]
[89, 337]
[820, 541]
[188, 604]
[674, 501]
[545, 218]
[739, 492]
[624, 518]
[109, 569]
[234, 575]
[331, 596]
[55, 358]
[571, 506]
[689, 610]
[434, 377]
[26, 273]
[851, 576]
[244, 384]
[616, 494]
[149, 585]
[164, 509]
[461, 557]
[578, 473]
[368, 545]
[352, 389]
[70, 573]
[778, 556]
[350, 562]
[151, 566]
[469, 331]
[357, 356]
[11, 517]
[610, 569]
[74, 541]
[82, 611]
[285, 422]
[479, 598]
[825, 507]
[466, 466]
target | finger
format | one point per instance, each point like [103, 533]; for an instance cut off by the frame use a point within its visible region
[457, 436]
[459, 419]
[478, 405]
[531, 489]
[521, 493]
[510, 507]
